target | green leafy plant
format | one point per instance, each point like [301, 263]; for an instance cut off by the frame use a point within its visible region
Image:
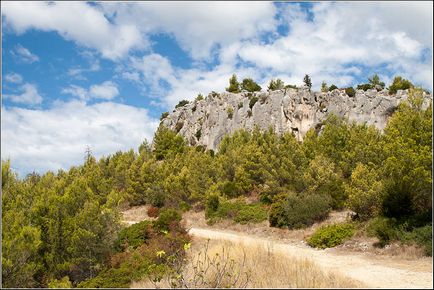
[299, 211]
[332, 88]
[164, 116]
[277, 84]
[250, 85]
[234, 85]
[230, 112]
[182, 103]
[253, 101]
[330, 236]
[350, 92]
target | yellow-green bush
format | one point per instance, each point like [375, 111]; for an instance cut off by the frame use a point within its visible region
[330, 236]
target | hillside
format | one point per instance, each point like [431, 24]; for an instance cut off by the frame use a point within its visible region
[207, 121]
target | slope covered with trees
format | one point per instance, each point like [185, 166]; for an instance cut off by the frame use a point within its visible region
[64, 227]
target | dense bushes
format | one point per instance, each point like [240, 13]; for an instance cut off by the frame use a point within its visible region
[133, 236]
[237, 210]
[277, 84]
[388, 230]
[155, 257]
[399, 83]
[298, 211]
[330, 236]
[250, 85]
[167, 219]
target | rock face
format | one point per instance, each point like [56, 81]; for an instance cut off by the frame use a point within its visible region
[207, 121]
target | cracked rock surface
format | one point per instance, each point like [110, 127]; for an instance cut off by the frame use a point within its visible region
[207, 121]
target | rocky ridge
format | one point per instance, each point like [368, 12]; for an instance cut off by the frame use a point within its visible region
[206, 122]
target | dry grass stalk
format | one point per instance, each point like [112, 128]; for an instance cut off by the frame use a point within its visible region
[223, 264]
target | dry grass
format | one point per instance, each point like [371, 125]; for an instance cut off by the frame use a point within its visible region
[220, 264]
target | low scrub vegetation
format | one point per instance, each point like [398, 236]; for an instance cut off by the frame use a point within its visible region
[330, 236]
[222, 264]
[146, 249]
[298, 211]
[236, 210]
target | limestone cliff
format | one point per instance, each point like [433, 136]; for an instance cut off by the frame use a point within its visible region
[207, 121]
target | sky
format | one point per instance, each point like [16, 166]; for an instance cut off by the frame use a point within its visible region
[99, 74]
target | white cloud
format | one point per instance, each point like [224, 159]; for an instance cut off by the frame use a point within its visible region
[76, 21]
[13, 78]
[29, 95]
[106, 90]
[57, 137]
[345, 34]
[24, 55]
[78, 72]
[198, 27]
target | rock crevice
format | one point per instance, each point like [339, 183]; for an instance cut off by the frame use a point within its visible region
[288, 110]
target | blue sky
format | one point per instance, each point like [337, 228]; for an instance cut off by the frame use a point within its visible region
[78, 74]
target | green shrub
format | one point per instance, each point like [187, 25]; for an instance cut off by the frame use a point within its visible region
[290, 87]
[253, 101]
[421, 236]
[230, 112]
[252, 213]
[234, 85]
[324, 87]
[240, 105]
[182, 103]
[199, 97]
[61, 283]
[330, 236]
[133, 236]
[383, 229]
[167, 217]
[276, 85]
[350, 92]
[399, 84]
[212, 204]
[364, 87]
[164, 116]
[237, 210]
[250, 85]
[198, 134]
[249, 113]
[332, 87]
[299, 211]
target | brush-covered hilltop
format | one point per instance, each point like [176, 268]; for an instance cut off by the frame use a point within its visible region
[205, 121]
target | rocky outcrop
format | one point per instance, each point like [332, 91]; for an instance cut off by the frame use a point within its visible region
[207, 121]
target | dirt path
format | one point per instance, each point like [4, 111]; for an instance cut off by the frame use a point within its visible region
[371, 272]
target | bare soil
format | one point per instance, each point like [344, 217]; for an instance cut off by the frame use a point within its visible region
[359, 259]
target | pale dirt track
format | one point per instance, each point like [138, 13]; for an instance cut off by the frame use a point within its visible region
[373, 273]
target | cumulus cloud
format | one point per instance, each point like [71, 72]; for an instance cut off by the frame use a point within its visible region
[76, 21]
[22, 54]
[56, 138]
[28, 95]
[13, 78]
[106, 91]
[340, 35]
[198, 27]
